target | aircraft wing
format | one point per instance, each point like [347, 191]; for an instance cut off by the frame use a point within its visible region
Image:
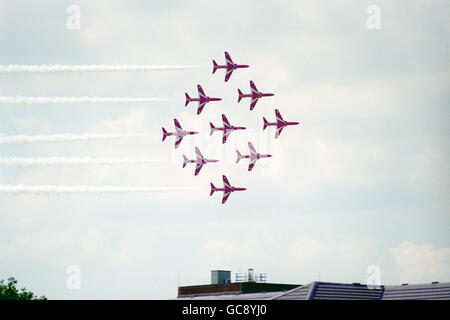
[226, 183]
[228, 74]
[226, 133]
[177, 124]
[278, 115]
[178, 141]
[198, 167]
[251, 165]
[228, 58]
[253, 103]
[252, 149]
[225, 196]
[198, 153]
[278, 132]
[201, 105]
[253, 87]
[225, 121]
[201, 93]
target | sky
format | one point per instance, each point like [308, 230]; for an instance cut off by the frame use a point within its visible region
[362, 181]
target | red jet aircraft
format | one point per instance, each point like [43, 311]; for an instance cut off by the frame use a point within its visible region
[227, 128]
[255, 95]
[199, 161]
[230, 66]
[280, 123]
[227, 189]
[253, 156]
[202, 99]
[179, 133]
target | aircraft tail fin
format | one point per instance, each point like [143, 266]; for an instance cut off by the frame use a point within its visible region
[185, 160]
[188, 99]
[212, 128]
[164, 134]
[212, 189]
[239, 156]
[214, 66]
[240, 95]
[265, 123]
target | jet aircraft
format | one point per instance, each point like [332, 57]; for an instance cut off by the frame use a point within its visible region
[255, 95]
[229, 65]
[227, 128]
[199, 161]
[227, 189]
[202, 99]
[279, 123]
[179, 133]
[253, 156]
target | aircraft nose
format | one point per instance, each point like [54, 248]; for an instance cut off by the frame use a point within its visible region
[245, 66]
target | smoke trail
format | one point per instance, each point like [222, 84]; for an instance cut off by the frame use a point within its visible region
[62, 100]
[59, 161]
[21, 139]
[89, 68]
[52, 189]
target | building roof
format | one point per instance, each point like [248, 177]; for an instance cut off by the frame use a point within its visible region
[331, 291]
[299, 293]
[239, 296]
[434, 291]
[235, 288]
[341, 291]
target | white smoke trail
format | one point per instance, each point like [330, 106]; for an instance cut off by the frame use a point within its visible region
[54, 189]
[62, 100]
[89, 68]
[21, 139]
[61, 161]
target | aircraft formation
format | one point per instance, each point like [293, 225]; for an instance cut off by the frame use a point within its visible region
[227, 128]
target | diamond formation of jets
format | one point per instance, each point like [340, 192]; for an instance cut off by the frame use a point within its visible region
[179, 133]
[227, 189]
[229, 65]
[227, 128]
[202, 99]
[280, 123]
[255, 95]
[200, 161]
[253, 156]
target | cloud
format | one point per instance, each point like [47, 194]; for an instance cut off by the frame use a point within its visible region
[307, 251]
[302, 258]
[73, 245]
[421, 263]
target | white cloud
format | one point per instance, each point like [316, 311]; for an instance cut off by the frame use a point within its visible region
[421, 263]
[301, 259]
